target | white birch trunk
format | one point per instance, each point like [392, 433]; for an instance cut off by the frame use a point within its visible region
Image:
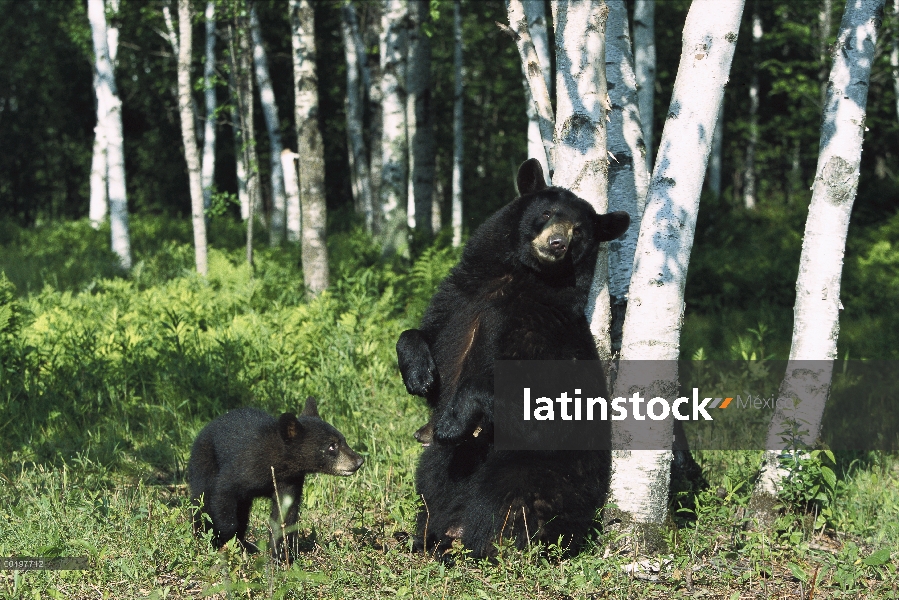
[645, 68]
[394, 141]
[99, 206]
[208, 169]
[713, 178]
[749, 176]
[310, 146]
[457, 125]
[535, 12]
[355, 111]
[652, 326]
[536, 79]
[189, 135]
[628, 175]
[816, 314]
[273, 126]
[107, 96]
[371, 82]
[894, 56]
[292, 191]
[419, 121]
[245, 139]
[581, 163]
[824, 26]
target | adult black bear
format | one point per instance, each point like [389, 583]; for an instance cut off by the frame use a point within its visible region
[232, 460]
[519, 292]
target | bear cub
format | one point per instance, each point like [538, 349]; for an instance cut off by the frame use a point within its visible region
[232, 460]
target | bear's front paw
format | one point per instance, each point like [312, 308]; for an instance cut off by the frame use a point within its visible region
[458, 424]
[416, 363]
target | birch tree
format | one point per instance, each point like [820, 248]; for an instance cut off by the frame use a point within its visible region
[640, 478]
[894, 54]
[208, 168]
[292, 192]
[99, 199]
[535, 13]
[419, 120]
[310, 147]
[645, 68]
[749, 175]
[579, 143]
[520, 33]
[272, 125]
[628, 175]
[189, 135]
[713, 179]
[241, 77]
[111, 132]
[824, 27]
[357, 83]
[816, 313]
[457, 125]
[394, 142]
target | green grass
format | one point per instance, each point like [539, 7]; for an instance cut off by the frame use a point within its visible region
[105, 380]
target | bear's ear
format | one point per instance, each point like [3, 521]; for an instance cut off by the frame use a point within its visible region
[311, 408]
[288, 426]
[530, 177]
[611, 226]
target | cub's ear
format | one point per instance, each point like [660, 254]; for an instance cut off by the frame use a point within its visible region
[311, 408]
[611, 226]
[530, 177]
[288, 426]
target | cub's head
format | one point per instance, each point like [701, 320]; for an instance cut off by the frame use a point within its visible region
[313, 446]
[558, 229]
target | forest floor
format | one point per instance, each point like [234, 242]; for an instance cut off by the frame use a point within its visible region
[106, 380]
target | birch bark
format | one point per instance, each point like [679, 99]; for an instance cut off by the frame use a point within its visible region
[189, 135]
[394, 142]
[894, 55]
[457, 125]
[272, 125]
[652, 325]
[536, 79]
[355, 115]
[419, 121]
[580, 134]
[208, 168]
[628, 175]
[816, 313]
[107, 96]
[535, 13]
[292, 191]
[310, 147]
[749, 186]
[645, 68]
[713, 179]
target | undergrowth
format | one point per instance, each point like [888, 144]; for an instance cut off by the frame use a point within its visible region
[106, 377]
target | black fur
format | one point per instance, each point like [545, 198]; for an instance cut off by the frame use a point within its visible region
[231, 464]
[519, 292]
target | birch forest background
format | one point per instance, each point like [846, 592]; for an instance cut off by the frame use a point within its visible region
[208, 205]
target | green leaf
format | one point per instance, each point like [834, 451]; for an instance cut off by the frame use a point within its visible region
[878, 558]
[830, 456]
[797, 572]
[830, 477]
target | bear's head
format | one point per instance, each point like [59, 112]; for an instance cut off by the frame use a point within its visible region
[557, 230]
[313, 446]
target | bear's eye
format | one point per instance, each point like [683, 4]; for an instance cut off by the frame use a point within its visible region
[332, 449]
[546, 215]
[577, 231]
